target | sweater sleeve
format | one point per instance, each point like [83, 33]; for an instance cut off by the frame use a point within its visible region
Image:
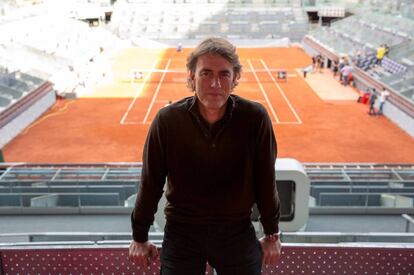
[153, 176]
[266, 195]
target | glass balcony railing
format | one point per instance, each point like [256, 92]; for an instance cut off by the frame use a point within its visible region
[295, 259]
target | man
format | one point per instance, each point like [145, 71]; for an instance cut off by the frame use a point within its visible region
[179, 47]
[383, 97]
[306, 70]
[346, 73]
[372, 100]
[335, 67]
[380, 54]
[218, 152]
[138, 75]
[341, 64]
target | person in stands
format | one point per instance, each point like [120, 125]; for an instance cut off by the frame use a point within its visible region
[380, 54]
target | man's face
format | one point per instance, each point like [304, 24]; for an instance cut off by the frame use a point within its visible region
[214, 81]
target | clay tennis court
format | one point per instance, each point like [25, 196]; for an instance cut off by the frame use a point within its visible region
[315, 119]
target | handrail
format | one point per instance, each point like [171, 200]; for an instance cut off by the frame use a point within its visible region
[410, 220]
[321, 165]
[356, 165]
[103, 238]
[15, 109]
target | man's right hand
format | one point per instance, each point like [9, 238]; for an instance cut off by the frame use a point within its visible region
[143, 253]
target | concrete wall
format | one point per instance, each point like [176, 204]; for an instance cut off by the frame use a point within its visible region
[13, 128]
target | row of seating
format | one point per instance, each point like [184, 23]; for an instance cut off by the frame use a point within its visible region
[392, 66]
[343, 189]
[69, 186]
[10, 12]
[366, 62]
[392, 8]
[360, 32]
[70, 175]
[197, 2]
[186, 20]
[398, 24]
[372, 183]
[353, 186]
[63, 183]
[364, 199]
[67, 38]
[186, 17]
[124, 190]
[335, 42]
[357, 31]
[267, 27]
[321, 191]
[73, 199]
[365, 175]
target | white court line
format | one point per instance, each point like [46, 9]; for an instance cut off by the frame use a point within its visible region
[149, 123]
[281, 92]
[157, 91]
[139, 91]
[263, 91]
[290, 122]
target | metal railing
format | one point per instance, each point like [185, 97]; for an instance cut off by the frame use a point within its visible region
[409, 220]
[105, 238]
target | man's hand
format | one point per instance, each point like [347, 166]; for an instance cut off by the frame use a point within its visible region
[142, 253]
[271, 251]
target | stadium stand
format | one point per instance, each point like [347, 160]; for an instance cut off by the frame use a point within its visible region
[357, 36]
[23, 98]
[236, 19]
[68, 52]
[39, 60]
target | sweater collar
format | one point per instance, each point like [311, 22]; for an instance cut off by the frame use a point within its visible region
[231, 104]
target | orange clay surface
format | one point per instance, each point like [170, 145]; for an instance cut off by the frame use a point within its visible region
[110, 124]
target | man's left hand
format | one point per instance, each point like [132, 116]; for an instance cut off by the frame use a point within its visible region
[271, 251]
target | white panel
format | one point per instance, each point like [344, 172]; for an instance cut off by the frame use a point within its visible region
[13, 128]
[293, 170]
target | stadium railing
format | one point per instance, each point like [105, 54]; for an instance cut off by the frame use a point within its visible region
[295, 259]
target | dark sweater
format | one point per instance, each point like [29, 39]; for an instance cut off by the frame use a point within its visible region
[214, 173]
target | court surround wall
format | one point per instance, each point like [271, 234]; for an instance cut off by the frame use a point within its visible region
[26, 117]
